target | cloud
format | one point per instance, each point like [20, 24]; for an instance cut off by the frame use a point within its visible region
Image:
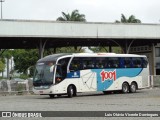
[95, 10]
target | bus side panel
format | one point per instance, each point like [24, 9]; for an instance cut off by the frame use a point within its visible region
[145, 78]
[118, 83]
[88, 81]
[61, 87]
[112, 79]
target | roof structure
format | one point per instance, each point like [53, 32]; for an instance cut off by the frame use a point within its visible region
[26, 34]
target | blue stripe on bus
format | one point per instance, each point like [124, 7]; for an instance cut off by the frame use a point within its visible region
[75, 74]
[105, 77]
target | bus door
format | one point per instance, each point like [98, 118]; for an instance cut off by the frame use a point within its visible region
[61, 71]
[58, 74]
[74, 72]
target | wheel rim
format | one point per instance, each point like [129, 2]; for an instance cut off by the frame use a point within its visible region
[71, 91]
[133, 88]
[125, 88]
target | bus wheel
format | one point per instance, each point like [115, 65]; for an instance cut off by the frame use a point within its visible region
[133, 87]
[70, 91]
[58, 95]
[106, 92]
[51, 96]
[125, 87]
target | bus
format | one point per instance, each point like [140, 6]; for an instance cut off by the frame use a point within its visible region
[69, 74]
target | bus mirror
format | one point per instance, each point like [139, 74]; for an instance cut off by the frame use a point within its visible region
[51, 68]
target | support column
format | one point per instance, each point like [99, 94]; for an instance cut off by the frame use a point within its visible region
[126, 47]
[110, 48]
[41, 48]
[153, 58]
[55, 50]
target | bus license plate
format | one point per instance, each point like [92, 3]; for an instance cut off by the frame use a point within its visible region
[41, 92]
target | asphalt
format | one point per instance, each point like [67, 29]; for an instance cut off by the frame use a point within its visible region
[143, 100]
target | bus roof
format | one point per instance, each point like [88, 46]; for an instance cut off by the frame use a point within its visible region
[106, 55]
[54, 57]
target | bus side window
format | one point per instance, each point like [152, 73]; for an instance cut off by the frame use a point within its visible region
[113, 62]
[110, 63]
[100, 62]
[88, 63]
[137, 62]
[121, 62]
[75, 64]
[144, 62]
[62, 67]
[127, 62]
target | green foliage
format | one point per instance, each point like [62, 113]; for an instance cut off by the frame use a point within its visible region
[24, 76]
[105, 49]
[19, 87]
[2, 66]
[25, 58]
[7, 54]
[63, 50]
[131, 19]
[74, 16]
[68, 50]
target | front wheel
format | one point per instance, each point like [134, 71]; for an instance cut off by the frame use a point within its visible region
[70, 91]
[125, 87]
[133, 87]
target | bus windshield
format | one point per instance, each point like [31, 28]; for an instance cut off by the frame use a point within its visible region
[44, 73]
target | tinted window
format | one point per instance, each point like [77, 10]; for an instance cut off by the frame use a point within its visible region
[81, 63]
[144, 62]
[88, 63]
[100, 62]
[76, 64]
[114, 62]
[127, 63]
[137, 62]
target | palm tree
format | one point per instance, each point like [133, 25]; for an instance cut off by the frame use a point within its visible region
[131, 19]
[74, 16]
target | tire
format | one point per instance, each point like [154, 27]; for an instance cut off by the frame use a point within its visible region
[74, 94]
[70, 91]
[59, 95]
[133, 87]
[51, 96]
[105, 92]
[125, 88]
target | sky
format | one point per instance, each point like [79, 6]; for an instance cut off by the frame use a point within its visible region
[148, 11]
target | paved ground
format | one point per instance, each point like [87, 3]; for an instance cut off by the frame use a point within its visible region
[143, 100]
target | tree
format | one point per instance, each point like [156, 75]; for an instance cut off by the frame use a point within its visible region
[105, 49]
[63, 50]
[25, 58]
[2, 66]
[74, 16]
[7, 54]
[131, 19]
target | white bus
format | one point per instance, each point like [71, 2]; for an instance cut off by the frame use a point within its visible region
[70, 74]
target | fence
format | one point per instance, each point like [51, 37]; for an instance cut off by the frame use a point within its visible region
[12, 86]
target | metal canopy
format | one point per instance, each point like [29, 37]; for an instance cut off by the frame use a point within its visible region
[26, 34]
